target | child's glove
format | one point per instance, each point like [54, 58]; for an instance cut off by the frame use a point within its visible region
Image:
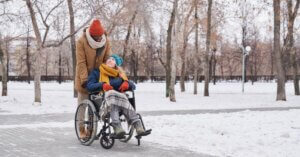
[106, 87]
[124, 86]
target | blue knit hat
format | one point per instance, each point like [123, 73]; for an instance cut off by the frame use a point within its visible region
[118, 59]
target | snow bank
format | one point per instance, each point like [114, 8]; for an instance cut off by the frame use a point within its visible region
[241, 134]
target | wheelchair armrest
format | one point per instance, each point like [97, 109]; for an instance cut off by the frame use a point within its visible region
[130, 93]
[94, 92]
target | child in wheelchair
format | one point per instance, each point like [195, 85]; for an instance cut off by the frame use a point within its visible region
[111, 80]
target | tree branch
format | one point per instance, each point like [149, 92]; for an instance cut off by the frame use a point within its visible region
[45, 19]
[53, 9]
[161, 61]
[44, 22]
[113, 25]
[66, 37]
[296, 9]
[4, 1]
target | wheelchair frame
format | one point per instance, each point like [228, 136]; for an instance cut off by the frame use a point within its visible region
[92, 109]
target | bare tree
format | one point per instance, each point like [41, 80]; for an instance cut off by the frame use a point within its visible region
[288, 46]
[3, 56]
[28, 64]
[186, 34]
[174, 46]
[212, 65]
[169, 48]
[206, 69]
[60, 32]
[72, 41]
[134, 56]
[279, 64]
[41, 43]
[129, 31]
[37, 67]
[195, 60]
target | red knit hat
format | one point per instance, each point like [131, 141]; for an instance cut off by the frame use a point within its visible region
[96, 28]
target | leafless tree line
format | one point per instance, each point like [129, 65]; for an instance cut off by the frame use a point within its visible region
[185, 39]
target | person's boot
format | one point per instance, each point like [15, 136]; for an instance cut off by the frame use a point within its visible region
[88, 132]
[118, 131]
[82, 132]
[140, 131]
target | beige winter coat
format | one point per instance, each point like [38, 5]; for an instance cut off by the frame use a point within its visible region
[86, 61]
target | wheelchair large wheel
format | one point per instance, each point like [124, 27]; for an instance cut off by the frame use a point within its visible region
[86, 119]
[128, 129]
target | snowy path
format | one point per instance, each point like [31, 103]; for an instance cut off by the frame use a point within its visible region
[53, 135]
[37, 142]
[65, 117]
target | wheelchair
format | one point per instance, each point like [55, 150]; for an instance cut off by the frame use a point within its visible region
[91, 120]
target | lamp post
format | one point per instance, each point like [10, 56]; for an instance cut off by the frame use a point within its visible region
[245, 53]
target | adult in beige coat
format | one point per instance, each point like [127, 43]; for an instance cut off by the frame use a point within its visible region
[92, 49]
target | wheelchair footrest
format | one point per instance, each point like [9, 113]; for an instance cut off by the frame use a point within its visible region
[147, 132]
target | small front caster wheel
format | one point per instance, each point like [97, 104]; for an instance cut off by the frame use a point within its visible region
[107, 142]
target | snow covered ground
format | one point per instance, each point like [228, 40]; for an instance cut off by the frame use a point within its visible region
[238, 134]
[149, 97]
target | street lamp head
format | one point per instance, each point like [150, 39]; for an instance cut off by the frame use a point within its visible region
[248, 48]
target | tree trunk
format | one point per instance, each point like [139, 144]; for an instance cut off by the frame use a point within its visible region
[197, 48]
[183, 64]
[169, 48]
[182, 75]
[37, 77]
[173, 71]
[183, 54]
[206, 69]
[255, 64]
[59, 67]
[68, 66]
[272, 59]
[174, 58]
[279, 64]
[134, 69]
[128, 34]
[28, 57]
[183, 70]
[7, 60]
[289, 42]
[295, 71]
[37, 66]
[214, 67]
[3, 56]
[46, 66]
[73, 44]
